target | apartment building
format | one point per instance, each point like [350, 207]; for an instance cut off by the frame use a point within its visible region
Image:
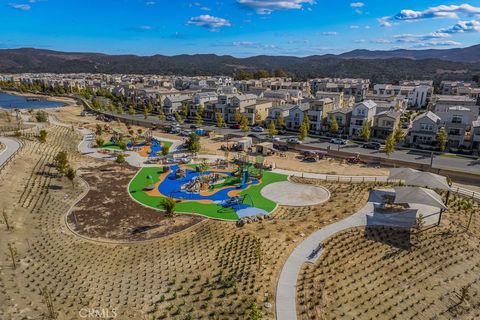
[260, 108]
[361, 113]
[357, 88]
[418, 95]
[317, 114]
[343, 117]
[384, 123]
[424, 129]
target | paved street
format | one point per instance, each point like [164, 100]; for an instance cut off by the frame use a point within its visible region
[439, 162]
[11, 145]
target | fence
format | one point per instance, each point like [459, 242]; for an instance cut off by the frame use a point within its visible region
[3, 165]
[475, 195]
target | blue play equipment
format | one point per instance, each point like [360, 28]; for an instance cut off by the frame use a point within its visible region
[155, 148]
[244, 178]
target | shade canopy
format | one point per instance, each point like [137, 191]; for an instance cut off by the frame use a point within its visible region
[418, 195]
[417, 178]
[402, 173]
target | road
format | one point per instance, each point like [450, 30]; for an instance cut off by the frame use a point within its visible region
[11, 146]
[461, 164]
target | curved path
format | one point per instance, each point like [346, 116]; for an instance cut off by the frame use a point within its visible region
[310, 249]
[11, 146]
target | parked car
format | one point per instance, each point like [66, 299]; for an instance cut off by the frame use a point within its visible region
[338, 141]
[282, 131]
[170, 118]
[235, 126]
[188, 120]
[194, 126]
[175, 130]
[258, 129]
[372, 145]
[185, 133]
[273, 138]
[253, 135]
[280, 147]
[294, 141]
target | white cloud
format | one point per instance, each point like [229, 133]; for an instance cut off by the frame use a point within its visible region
[150, 3]
[268, 6]
[23, 7]
[330, 33]
[354, 27]
[442, 11]
[428, 44]
[462, 27]
[210, 22]
[205, 9]
[144, 28]
[357, 4]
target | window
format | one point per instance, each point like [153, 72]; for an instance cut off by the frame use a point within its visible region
[454, 132]
[359, 122]
[361, 112]
[456, 118]
[426, 127]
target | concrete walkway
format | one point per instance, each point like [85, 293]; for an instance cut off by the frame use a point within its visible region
[309, 250]
[11, 146]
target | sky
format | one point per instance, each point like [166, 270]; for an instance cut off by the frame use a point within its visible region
[237, 27]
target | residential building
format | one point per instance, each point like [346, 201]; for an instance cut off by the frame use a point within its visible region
[361, 113]
[476, 135]
[337, 98]
[343, 117]
[173, 104]
[317, 114]
[384, 123]
[357, 88]
[260, 108]
[424, 129]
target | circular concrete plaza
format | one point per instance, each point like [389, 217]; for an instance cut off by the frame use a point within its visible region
[293, 194]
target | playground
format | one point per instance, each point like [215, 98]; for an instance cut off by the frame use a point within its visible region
[222, 190]
[146, 146]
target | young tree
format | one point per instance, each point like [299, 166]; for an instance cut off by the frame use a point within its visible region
[122, 145]
[13, 254]
[237, 116]
[98, 130]
[165, 150]
[41, 116]
[333, 126]
[281, 121]
[178, 117]
[366, 131]
[99, 141]
[169, 205]
[161, 114]
[303, 131]
[193, 143]
[255, 313]
[42, 136]
[120, 110]
[61, 161]
[258, 118]
[198, 118]
[70, 173]
[145, 112]
[220, 120]
[390, 144]
[120, 158]
[399, 134]
[244, 124]
[442, 138]
[272, 131]
[184, 110]
[131, 110]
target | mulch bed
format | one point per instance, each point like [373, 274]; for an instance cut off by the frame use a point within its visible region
[108, 212]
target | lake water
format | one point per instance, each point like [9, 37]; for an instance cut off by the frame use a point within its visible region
[9, 101]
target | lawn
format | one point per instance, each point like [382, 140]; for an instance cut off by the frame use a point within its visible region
[214, 211]
[113, 146]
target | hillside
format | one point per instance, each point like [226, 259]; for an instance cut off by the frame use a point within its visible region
[377, 65]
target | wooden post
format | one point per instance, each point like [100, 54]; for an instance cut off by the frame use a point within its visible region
[439, 217]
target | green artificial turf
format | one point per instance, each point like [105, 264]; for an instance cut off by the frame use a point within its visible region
[110, 145]
[215, 211]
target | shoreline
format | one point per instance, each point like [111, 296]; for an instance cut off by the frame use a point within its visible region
[67, 101]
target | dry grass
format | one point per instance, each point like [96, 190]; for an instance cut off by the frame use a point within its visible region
[384, 273]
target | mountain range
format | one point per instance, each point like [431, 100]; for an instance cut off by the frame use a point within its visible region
[379, 66]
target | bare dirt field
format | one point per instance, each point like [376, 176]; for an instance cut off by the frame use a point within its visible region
[107, 212]
[385, 273]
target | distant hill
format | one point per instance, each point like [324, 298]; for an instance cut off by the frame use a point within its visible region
[379, 66]
[469, 54]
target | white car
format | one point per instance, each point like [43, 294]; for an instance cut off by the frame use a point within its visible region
[294, 141]
[258, 129]
[338, 141]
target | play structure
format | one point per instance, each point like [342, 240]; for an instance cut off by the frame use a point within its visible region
[145, 145]
[227, 190]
